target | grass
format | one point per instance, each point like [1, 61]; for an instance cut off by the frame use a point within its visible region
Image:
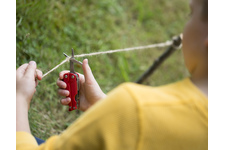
[46, 29]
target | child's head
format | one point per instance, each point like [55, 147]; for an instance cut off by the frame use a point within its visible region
[195, 39]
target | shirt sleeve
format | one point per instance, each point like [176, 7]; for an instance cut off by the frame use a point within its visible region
[25, 140]
[111, 123]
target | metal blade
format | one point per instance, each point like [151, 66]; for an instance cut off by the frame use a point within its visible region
[73, 59]
[72, 53]
[71, 63]
[76, 61]
[65, 55]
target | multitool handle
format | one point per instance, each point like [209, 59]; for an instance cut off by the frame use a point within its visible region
[72, 82]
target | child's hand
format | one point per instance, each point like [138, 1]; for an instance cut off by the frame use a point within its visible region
[26, 83]
[90, 92]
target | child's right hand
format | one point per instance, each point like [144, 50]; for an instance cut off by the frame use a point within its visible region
[90, 92]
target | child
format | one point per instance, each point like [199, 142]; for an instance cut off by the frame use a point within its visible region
[133, 116]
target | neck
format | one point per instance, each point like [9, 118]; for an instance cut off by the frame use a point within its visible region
[199, 76]
[202, 84]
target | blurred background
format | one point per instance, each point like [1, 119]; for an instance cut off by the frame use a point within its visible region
[47, 28]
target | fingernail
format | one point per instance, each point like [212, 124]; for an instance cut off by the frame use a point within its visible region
[67, 93]
[86, 60]
[32, 63]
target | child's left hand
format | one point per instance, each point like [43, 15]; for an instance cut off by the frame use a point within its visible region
[26, 83]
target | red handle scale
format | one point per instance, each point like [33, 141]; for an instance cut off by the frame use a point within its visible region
[72, 82]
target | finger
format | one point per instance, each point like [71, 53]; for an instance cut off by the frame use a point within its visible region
[62, 73]
[65, 101]
[31, 69]
[39, 74]
[81, 77]
[89, 77]
[21, 70]
[63, 92]
[36, 83]
[61, 84]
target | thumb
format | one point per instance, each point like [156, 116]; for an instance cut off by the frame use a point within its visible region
[89, 77]
[31, 69]
[21, 70]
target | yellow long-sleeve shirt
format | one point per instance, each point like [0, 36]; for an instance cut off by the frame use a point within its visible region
[131, 117]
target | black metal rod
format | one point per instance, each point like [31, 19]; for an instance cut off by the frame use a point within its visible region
[160, 60]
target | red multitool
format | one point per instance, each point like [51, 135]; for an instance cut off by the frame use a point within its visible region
[72, 81]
